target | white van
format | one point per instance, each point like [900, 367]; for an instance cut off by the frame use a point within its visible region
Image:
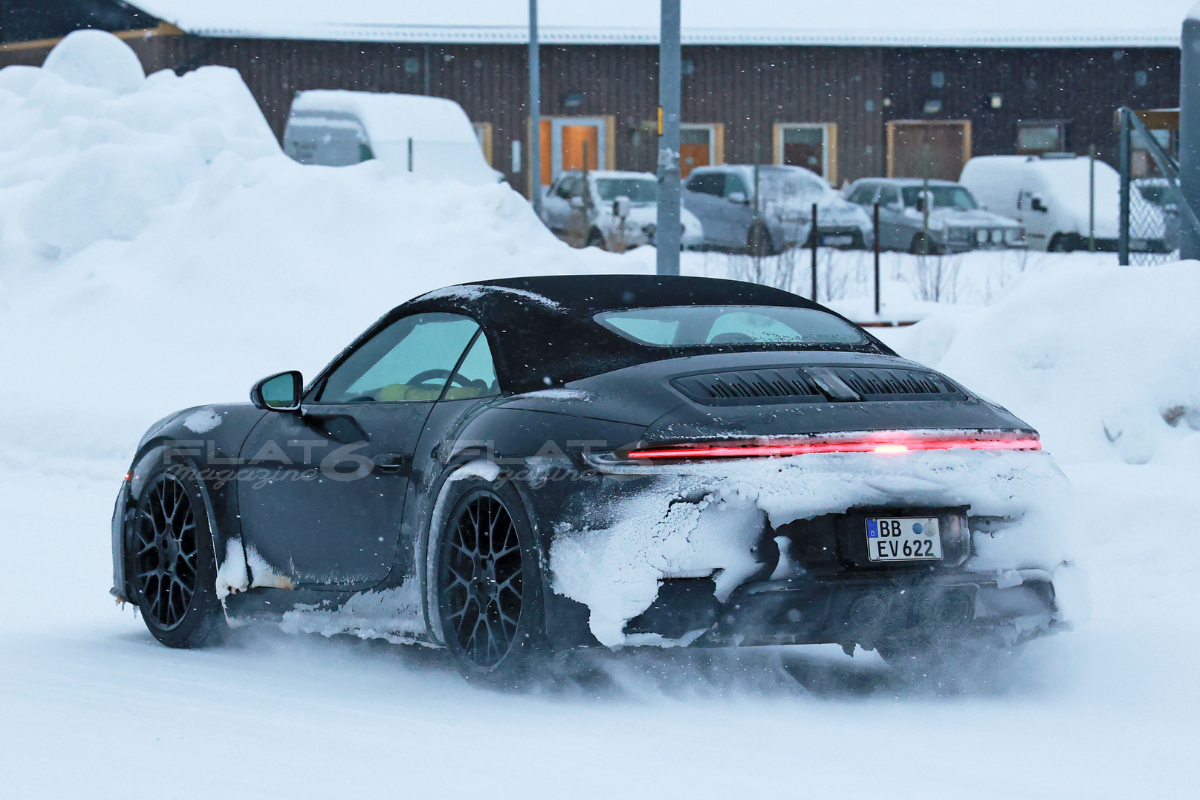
[427, 136]
[1048, 195]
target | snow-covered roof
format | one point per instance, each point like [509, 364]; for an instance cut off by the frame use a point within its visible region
[884, 23]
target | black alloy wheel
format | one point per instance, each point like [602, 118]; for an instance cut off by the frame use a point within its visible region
[173, 565]
[487, 581]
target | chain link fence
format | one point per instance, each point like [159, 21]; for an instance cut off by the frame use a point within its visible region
[1154, 217]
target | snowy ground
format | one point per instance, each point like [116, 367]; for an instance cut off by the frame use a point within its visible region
[242, 263]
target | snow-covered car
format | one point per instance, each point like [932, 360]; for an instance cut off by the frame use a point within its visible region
[610, 209]
[430, 137]
[1049, 196]
[955, 222]
[779, 217]
[519, 467]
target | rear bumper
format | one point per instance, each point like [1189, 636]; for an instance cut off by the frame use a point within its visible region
[868, 611]
[873, 610]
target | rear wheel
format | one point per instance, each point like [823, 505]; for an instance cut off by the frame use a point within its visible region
[758, 241]
[922, 245]
[489, 586]
[173, 566]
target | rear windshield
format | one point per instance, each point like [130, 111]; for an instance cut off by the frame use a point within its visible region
[943, 197]
[692, 326]
[638, 190]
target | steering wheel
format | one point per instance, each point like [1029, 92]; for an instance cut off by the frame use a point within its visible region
[432, 374]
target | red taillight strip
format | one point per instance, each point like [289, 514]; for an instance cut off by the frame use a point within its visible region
[883, 444]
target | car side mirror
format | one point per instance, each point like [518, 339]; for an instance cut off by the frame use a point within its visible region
[738, 198]
[279, 392]
[621, 207]
[1037, 205]
[577, 202]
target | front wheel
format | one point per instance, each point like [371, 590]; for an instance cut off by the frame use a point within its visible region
[173, 563]
[488, 589]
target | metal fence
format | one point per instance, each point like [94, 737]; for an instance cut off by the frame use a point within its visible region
[1154, 217]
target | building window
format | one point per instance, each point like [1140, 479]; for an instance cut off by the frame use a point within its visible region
[1035, 137]
[700, 145]
[1140, 78]
[938, 80]
[812, 145]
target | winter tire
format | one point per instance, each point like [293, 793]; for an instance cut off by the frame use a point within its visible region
[488, 590]
[172, 565]
[758, 241]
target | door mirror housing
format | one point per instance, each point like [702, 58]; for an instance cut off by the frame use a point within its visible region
[577, 203]
[738, 198]
[279, 392]
[1037, 205]
[621, 207]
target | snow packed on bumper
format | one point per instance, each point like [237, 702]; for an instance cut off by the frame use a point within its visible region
[703, 519]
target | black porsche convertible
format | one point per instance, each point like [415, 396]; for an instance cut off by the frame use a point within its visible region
[520, 467]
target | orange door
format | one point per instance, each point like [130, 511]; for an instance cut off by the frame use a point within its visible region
[576, 140]
[547, 147]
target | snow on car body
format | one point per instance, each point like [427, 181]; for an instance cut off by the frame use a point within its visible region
[1049, 196]
[591, 212]
[428, 136]
[538, 464]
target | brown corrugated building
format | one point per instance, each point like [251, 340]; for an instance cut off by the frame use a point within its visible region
[861, 89]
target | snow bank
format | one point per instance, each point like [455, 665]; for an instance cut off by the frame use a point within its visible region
[157, 249]
[1103, 361]
[703, 520]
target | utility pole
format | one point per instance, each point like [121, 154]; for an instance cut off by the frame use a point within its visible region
[1091, 198]
[1189, 128]
[535, 113]
[667, 233]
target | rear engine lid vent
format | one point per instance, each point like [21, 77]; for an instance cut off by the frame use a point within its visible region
[881, 383]
[776, 385]
[750, 387]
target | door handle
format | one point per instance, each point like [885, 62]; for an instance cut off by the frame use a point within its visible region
[391, 463]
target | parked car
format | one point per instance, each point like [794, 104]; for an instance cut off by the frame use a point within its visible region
[514, 468]
[427, 136]
[609, 209]
[1049, 196]
[955, 222]
[723, 197]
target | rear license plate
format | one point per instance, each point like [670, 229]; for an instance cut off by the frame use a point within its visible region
[836, 241]
[904, 539]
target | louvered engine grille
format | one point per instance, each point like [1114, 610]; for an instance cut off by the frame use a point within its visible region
[752, 386]
[767, 386]
[876, 381]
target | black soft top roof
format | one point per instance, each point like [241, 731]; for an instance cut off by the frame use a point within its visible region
[542, 332]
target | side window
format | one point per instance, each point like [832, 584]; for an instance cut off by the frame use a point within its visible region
[476, 376]
[707, 183]
[888, 196]
[407, 362]
[734, 183]
[563, 189]
[863, 195]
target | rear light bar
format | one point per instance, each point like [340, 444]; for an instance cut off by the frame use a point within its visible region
[882, 443]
